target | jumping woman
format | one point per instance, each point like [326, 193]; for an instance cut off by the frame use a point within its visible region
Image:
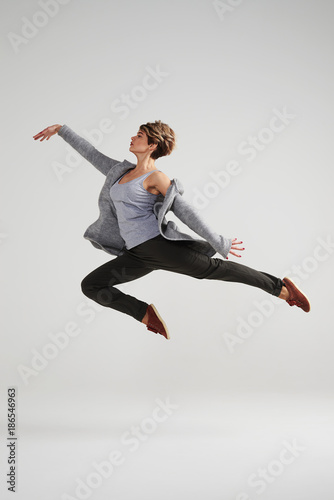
[132, 225]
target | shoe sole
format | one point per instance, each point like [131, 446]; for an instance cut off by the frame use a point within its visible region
[294, 284]
[162, 321]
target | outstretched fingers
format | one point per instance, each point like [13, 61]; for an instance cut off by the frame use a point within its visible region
[46, 133]
[235, 246]
[41, 134]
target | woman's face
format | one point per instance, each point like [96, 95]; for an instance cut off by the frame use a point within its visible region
[139, 143]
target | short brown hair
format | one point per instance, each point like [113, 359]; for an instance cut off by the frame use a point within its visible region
[161, 134]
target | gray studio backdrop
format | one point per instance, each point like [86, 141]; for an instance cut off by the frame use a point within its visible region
[247, 88]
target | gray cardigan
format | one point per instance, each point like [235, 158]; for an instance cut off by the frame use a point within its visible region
[104, 232]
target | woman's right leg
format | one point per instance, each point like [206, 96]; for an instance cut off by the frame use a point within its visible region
[99, 285]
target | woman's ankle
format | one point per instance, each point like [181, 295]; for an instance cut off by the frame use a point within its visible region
[145, 318]
[284, 293]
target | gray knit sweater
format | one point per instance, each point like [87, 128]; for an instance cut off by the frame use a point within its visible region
[104, 232]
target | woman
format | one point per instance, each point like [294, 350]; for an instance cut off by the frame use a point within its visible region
[132, 225]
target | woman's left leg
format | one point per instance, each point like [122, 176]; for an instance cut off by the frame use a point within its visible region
[177, 256]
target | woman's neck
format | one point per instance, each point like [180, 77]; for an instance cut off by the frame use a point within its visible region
[145, 164]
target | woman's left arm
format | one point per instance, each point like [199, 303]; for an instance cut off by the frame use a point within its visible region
[189, 216]
[160, 182]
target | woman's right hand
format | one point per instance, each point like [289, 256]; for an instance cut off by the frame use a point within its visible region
[47, 132]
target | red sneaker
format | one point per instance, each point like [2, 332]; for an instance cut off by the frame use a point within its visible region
[155, 322]
[296, 297]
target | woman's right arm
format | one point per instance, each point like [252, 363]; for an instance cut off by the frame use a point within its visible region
[47, 132]
[100, 161]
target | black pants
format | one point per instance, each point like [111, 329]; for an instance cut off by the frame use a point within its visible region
[174, 256]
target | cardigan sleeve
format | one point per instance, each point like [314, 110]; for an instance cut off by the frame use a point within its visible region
[100, 161]
[189, 216]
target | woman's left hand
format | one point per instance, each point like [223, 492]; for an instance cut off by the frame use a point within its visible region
[235, 247]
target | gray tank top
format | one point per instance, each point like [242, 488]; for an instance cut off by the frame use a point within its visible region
[134, 208]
